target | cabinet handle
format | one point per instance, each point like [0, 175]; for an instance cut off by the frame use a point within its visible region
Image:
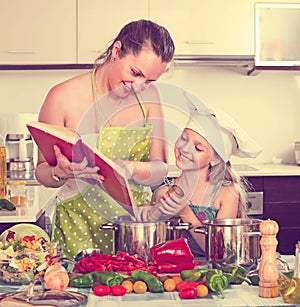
[22, 51]
[199, 42]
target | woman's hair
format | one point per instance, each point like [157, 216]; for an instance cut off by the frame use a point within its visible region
[135, 35]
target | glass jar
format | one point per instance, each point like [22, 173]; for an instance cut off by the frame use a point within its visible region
[17, 193]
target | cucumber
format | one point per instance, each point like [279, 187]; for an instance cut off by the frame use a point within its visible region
[6, 204]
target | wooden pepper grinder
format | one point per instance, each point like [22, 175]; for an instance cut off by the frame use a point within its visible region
[268, 270]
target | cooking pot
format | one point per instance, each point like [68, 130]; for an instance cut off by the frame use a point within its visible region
[231, 241]
[138, 237]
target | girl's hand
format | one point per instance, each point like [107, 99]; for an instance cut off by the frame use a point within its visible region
[173, 201]
[66, 169]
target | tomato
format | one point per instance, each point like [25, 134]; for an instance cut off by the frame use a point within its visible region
[200, 282]
[169, 285]
[139, 287]
[128, 285]
[188, 293]
[101, 290]
[177, 279]
[118, 290]
[202, 291]
[185, 284]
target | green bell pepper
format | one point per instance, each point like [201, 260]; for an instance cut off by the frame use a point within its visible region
[216, 281]
[193, 275]
[239, 273]
[104, 278]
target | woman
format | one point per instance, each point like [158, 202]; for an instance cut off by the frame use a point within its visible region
[211, 188]
[112, 94]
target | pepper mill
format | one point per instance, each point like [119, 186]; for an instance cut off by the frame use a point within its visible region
[268, 270]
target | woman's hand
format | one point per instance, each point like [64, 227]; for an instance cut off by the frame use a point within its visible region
[65, 169]
[145, 173]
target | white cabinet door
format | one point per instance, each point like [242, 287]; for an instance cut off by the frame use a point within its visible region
[207, 27]
[37, 31]
[99, 22]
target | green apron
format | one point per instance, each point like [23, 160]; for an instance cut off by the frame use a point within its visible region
[77, 220]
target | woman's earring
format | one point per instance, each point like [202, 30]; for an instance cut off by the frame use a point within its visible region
[113, 59]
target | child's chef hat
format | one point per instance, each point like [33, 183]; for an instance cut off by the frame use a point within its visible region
[223, 133]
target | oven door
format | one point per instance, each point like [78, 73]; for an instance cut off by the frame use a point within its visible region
[255, 204]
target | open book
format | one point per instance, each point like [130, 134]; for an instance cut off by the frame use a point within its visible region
[75, 148]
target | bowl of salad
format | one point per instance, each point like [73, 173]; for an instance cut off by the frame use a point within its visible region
[25, 258]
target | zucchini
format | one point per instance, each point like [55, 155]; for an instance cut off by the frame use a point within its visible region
[6, 204]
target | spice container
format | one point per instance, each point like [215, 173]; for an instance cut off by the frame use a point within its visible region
[17, 192]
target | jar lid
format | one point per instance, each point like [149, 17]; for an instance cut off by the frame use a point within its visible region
[22, 182]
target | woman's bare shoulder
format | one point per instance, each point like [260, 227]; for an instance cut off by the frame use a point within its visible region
[71, 98]
[71, 87]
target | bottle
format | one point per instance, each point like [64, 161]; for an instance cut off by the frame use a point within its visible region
[3, 174]
[289, 288]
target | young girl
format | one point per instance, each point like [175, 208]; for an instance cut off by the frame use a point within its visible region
[210, 186]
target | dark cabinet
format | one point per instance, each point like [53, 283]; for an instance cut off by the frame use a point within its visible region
[281, 204]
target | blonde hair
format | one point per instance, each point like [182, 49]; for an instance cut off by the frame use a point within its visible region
[224, 171]
[241, 185]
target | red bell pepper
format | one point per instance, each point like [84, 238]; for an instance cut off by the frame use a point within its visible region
[165, 267]
[172, 251]
[172, 256]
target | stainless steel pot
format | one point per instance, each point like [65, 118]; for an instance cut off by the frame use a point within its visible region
[138, 237]
[231, 241]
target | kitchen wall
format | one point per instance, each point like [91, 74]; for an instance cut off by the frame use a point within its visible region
[266, 104]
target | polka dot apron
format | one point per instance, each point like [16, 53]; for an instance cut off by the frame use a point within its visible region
[77, 219]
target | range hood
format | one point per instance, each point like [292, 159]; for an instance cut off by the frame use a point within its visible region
[214, 60]
[243, 62]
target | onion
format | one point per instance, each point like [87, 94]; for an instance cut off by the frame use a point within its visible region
[56, 277]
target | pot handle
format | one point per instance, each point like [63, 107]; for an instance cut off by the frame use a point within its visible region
[108, 226]
[180, 226]
[200, 229]
[252, 234]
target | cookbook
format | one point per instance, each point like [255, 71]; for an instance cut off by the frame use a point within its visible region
[75, 148]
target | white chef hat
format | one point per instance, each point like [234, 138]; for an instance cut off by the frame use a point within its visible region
[223, 133]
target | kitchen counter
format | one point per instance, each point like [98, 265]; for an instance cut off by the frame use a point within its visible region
[235, 295]
[255, 170]
[39, 199]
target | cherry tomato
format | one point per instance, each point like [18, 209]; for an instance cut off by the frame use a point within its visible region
[101, 290]
[188, 293]
[118, 290]
[185, 284]
[200, 282]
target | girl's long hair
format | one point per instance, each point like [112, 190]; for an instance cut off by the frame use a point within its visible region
[224, 171]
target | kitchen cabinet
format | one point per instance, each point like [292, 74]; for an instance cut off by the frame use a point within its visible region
[277, 41]
[100, 21]
[281, 204]
[37, 31]
[201, 27]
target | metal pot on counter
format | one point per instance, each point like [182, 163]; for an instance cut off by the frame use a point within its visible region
[138, 237]
[231, 241]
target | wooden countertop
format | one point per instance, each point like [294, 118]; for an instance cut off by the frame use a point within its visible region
[39, 200]
[251, 170]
